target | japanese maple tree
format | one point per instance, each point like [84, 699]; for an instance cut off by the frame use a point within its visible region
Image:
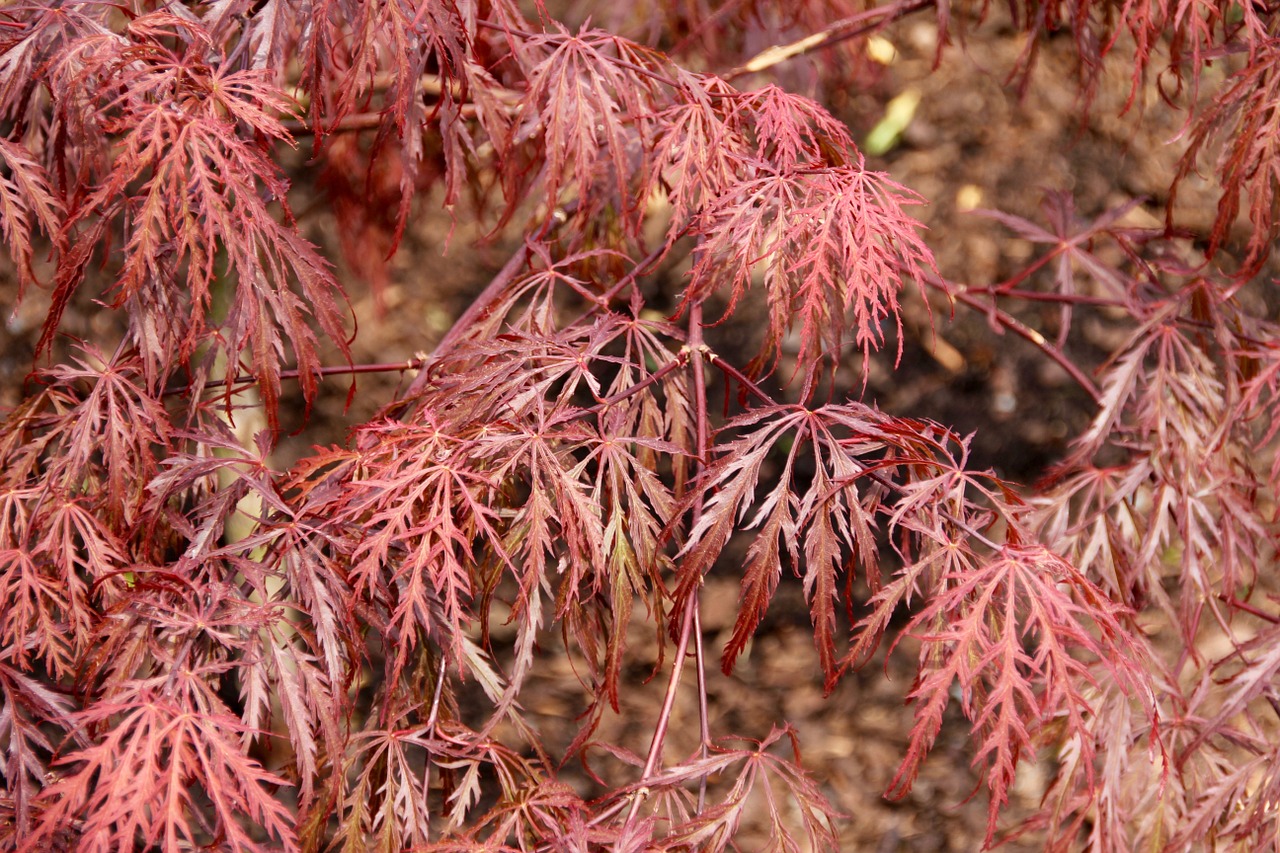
[200, 650]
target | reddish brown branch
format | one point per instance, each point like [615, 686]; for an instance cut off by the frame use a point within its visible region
[348, 123]
[657, 376]
[843, 30]
[1040, 296]
[294, 373]
[690, 619]
[1252, 610]
[479, 306]
[959, 293]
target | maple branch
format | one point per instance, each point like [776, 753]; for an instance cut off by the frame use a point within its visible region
[741, 378]
[433, 715]
[690, 621]
[1041, 296]
[294, 373]
[841, 31]
[664, 715]
[482, 303]
[1232, 601]
[958, 292]
[348, 123]
[1038, 340]
[642, 267]
[698, 348]
[477, 308]
[681, 359]
[432, 85]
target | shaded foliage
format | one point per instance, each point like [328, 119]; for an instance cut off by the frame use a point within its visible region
[198, 650]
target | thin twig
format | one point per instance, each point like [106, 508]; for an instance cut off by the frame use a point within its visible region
[478, 306]
[664, 715]
[690, 621]
[482, 303]
[957, 293]
[1040, 296]
[643, 266]
[1038, 340]
[841, 31]
[348, 123]
[699, 349]
[681, 359]
[294, 373]
[430, 85]
[1232, 601]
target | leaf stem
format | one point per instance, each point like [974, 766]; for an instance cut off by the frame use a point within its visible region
[294, 373]
[681, 359]
[668, 702]
[842, 30]
[1232, 601]
[698, 348]
[690, 619]
[959, 293]
[1040, 296]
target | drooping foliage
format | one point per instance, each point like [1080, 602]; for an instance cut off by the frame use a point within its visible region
[200, 650]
